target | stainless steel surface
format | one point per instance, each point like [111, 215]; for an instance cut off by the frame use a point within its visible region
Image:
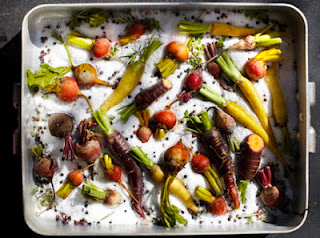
[307, 135]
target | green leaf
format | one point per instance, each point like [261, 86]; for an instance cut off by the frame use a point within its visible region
[93, 18]
[46, 76]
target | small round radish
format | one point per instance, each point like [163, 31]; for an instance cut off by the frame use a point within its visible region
[45, 167]
[200, 163]
[166, 117]
[136, 29]
[76, 177]
[178, 50]
[218, 206]
[194, 80]
[101, 48]
[255, 69]
[144, 133]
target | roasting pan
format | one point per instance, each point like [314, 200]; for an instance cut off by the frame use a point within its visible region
[305, 95]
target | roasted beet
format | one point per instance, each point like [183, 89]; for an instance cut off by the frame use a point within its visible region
[45, 167]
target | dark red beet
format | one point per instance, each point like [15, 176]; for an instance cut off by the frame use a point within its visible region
[194, 80]
[45, 167]
[270, 195]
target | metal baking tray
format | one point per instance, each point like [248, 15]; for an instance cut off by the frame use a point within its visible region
[306, 98]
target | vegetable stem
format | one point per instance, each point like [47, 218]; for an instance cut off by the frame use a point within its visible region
[229, 67]
[94, 192]
[137, 153]
[193, 28]
[82, 42]
[213, 96]
[204, 195]
[242, 186]
[103, 121]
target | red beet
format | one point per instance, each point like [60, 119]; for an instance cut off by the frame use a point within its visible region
[101, 48]
[270, 195]
[45, 167]
[255, 69]
[218, 206]
[211, 52]
[194, 80]
[87, 148]
[115, 174]
[200, 163]
[136, 29]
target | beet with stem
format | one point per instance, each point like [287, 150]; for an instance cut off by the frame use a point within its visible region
[61, 125]
[88, 147]
[270, 195]
[216, 205]
[175, 159]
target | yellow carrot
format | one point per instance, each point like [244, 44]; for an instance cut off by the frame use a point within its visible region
[130, 78]
[240, 115]
[249, 91]
[279, 106]
[177, 187]
[189, 27]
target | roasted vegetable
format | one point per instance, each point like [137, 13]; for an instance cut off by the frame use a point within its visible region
[270, 195]
[279, 106]
[201, 164]
[249, 91]
[93, 192]
[176, 53]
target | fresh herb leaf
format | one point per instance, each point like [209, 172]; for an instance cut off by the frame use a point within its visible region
[93, 18]
[220, 42]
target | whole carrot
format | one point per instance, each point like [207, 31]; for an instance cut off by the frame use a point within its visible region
[240, 115]
[145, 98]
[189, 27]
[121, 148]
[213, 140]
[249, 91]
[131, 77]
[279, 106]
[250, 157]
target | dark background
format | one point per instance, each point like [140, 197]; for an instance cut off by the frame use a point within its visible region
[11, 15]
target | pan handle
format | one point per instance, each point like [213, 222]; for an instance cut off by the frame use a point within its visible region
[312, 132]
[16, 135]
